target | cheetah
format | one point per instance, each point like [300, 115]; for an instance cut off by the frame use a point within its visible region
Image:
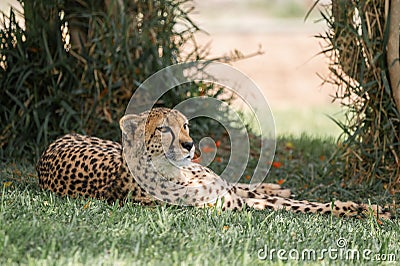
[155, 165]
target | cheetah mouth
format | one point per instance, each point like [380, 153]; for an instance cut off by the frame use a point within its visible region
[182, 158]
[179, 156]
[185, 158]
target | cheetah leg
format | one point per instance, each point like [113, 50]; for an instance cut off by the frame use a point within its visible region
[261, 191]
[338, 208]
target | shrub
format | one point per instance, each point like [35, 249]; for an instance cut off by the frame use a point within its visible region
[76, 64]
[357, 41]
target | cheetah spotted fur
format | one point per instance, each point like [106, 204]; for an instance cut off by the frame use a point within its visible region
[78, 165]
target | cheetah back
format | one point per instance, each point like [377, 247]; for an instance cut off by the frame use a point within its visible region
[78, 165]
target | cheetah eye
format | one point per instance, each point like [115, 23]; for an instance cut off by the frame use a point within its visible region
[164, 129]
[186, 126]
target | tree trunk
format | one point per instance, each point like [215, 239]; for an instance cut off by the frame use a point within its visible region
[393, 53]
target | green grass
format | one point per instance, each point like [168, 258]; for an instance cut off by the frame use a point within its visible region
[316, 121]
[39, 228]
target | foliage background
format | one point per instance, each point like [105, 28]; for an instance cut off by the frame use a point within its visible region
[76, 64]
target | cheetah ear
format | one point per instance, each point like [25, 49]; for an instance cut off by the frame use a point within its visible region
[128, 124]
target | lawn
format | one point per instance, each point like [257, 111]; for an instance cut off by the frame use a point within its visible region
[37, 227]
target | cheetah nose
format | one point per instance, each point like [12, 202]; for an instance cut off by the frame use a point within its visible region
[187, 145]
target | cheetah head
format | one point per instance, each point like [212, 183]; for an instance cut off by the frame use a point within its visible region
[160, 132]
